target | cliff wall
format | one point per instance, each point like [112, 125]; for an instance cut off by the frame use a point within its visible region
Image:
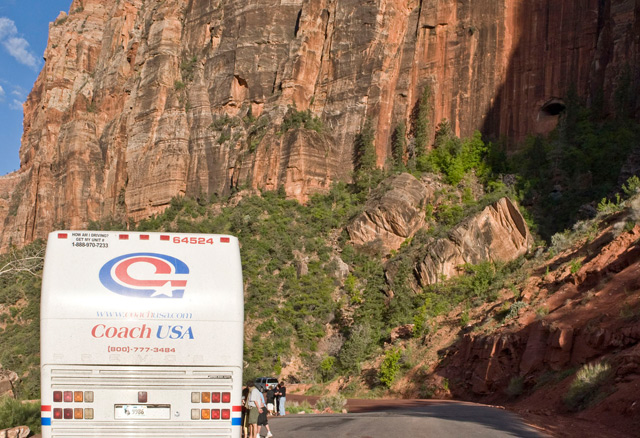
[143, 100]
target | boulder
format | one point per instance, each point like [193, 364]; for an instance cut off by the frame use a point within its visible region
[7, 381]
[498, 233]
[393, 215]
[15, 432]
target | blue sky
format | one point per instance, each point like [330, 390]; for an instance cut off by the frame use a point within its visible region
[24, 29]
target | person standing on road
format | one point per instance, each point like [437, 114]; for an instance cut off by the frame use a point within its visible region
[271, 398]
[262, 419]
[255, 407]
[281, 392]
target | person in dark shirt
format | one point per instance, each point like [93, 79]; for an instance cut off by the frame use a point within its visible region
[271, 398]
[281, 393]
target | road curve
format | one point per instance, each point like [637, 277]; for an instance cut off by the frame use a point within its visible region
[405, 418]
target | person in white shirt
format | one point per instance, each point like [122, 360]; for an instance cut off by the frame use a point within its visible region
[255, 407]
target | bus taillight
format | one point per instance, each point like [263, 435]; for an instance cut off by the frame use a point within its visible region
[226, 414]
[226, 397]
[215, 397]
[57, 413]
[68, 396]
[215, 414]
[57, 396]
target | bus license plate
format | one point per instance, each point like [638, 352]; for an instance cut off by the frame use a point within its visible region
[143, 412]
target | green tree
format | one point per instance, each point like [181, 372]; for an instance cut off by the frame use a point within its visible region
[399, 145]
[367, 175]
[389, 367]
[421, 123]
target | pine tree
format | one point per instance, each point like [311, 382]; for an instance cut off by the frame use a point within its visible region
[399, 145]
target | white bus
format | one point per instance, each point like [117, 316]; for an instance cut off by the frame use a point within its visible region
[141, 335]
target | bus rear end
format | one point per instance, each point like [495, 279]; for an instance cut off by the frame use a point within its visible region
[141, 335]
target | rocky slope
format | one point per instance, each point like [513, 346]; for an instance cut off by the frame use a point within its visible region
[580, 306]
[143, 100]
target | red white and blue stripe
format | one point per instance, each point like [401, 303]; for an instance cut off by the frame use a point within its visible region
[236, 416]
[45, 415]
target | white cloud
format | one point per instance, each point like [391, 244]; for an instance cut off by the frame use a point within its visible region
[16, 105]
[7, 28]
[17, 46]
[2, 93]
[19, 91]
[19, 49]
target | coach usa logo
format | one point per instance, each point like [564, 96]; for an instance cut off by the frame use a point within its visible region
[145, 275]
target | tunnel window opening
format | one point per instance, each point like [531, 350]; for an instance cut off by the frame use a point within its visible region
[553, 107]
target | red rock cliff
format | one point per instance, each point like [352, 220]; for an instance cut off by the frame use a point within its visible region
[143, 100]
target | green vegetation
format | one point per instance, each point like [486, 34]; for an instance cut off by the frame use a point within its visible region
[295, 119]
[334, 403]
[389, 367]
[295, 407]
[187, 68]
[14, 413]
[454, 157]
[578, 164]
[421, 126]
[591, 384]
[20, 280]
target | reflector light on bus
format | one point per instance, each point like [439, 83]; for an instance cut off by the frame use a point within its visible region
[123, 236]
[226, 414]
[62, 235]
[144, 237]
[215, 397]
[142, 396]
[165, 238]
[226, 397]
[215, 414]
[225, 240]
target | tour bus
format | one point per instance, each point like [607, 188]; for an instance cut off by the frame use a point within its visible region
[141, 335]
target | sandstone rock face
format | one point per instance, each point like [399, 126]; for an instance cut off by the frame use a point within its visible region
[7, 380]
[15, 432]
[394, 216]
[497, 234]
[489, 362]
[125, 113]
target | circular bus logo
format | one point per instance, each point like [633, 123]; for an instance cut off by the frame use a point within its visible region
[145, 275]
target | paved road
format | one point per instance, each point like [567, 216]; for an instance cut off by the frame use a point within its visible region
[410, 419]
